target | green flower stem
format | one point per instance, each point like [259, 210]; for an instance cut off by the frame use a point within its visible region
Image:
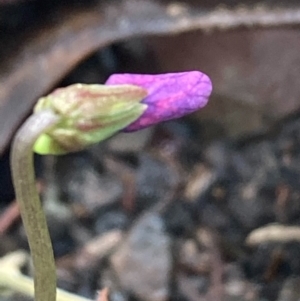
[30, 205]
[11, 277]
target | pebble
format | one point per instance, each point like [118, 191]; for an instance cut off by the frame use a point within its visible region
[143, 262]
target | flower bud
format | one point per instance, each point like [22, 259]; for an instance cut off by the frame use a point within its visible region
[170, 95]
[89, 114]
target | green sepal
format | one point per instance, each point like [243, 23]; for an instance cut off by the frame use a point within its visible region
[89, 114]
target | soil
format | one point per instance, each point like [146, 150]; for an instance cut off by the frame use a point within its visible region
[169, 218]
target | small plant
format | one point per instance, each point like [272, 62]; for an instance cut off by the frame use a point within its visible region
[72, 118]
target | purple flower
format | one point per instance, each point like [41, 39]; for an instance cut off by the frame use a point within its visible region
[170, 95]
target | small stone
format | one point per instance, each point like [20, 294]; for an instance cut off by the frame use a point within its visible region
[290, 290]
[193, 259]
[154, 181]
[111, 220]
[236, 286]
[143, 262]
[81, 182]
[97, 248]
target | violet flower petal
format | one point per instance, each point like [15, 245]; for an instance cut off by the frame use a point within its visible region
[170, 95]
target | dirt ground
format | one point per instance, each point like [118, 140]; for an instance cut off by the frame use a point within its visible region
[162, 214]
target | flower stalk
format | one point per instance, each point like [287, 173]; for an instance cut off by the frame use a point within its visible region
[32, 213]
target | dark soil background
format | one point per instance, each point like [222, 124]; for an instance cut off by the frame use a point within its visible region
[168, 213]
